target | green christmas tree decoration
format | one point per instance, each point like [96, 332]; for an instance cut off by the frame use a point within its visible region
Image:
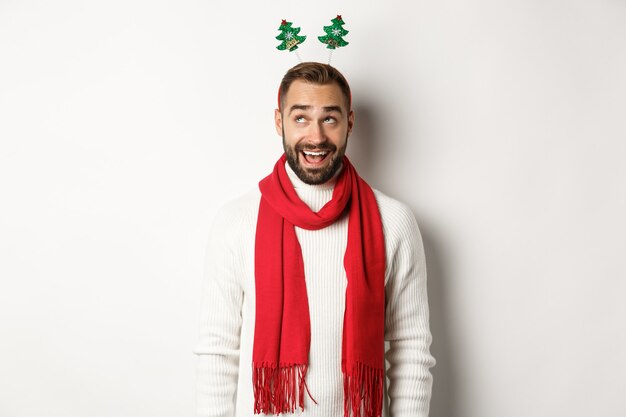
[334, 34]
[289, 37]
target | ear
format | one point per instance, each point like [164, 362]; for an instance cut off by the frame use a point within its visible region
[278, 122]
[350, 121]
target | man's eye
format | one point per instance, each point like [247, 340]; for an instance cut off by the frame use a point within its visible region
[299, 119]
[330, 120]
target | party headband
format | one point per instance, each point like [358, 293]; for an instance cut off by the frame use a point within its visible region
[290, 39]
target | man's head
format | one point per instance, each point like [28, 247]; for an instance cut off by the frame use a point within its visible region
[314, 120]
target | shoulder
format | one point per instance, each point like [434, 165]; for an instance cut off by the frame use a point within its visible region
[237, 214]
[241, 207]
[403, 240]
[404, 247]
[396, 216]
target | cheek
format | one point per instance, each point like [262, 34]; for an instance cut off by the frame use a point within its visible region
[289, 136]
[292, 133]
[340, 136]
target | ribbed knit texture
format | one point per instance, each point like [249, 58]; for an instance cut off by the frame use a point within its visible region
[224, 348]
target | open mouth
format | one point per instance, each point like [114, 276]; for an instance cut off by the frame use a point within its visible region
[315, 158]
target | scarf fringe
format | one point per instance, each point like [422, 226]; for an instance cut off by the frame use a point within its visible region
[279, 389]
[363, 391]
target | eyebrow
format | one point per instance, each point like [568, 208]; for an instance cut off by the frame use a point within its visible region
[327, 109]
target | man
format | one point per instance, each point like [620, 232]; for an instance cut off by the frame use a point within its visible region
[309, 275]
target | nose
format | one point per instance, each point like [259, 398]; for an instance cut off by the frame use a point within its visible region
[316, 134]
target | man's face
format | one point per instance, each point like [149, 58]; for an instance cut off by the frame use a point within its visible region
[315, 124]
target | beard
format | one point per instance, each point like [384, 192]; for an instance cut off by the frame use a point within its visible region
[315, 176]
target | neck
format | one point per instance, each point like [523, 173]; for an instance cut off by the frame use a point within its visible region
[313, 195]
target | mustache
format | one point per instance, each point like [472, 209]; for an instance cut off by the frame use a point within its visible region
[310, 147]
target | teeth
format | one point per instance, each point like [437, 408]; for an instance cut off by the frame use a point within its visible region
[315, 153]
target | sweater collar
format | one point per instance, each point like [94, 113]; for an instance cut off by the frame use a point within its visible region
[314, 196]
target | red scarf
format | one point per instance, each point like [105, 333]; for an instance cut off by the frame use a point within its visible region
[282, 334]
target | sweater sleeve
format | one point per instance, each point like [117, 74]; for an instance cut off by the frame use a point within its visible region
[218, 344]
[406, 322]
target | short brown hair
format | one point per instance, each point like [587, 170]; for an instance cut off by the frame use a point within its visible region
[314, 73]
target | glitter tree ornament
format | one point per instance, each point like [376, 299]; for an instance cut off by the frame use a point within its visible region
[289, 37]
[334, 34]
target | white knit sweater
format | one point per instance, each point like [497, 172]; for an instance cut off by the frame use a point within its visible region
[224, 348]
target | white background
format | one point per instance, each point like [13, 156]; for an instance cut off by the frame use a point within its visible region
[124, 125]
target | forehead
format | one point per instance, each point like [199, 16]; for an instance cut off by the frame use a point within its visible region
[316, 95]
